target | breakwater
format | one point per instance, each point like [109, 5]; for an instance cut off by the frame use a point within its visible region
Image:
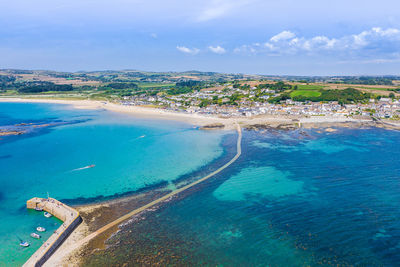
[123, 218]
[68, 215]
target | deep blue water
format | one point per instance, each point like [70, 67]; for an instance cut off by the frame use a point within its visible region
[292, 199]
[297, 198]
[129, 153]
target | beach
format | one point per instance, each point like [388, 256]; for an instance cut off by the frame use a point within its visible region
[274, 121]
[97, 215]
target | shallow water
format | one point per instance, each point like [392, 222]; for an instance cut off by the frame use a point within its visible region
[292, 199]
[129, 154]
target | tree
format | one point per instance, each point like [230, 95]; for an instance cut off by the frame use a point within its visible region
[204, 103]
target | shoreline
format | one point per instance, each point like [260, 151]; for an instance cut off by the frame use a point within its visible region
[250, 123]
[213, 122]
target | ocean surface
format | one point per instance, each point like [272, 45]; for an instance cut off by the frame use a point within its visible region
[129, 154]
[294, 198]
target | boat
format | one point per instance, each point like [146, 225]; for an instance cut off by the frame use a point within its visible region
[47, 215]
[39, 209]
[35, 235]
[41, 229]
[84, 168]
[24, 244]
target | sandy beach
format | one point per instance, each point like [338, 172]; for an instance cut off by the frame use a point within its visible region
[69, 253]
[203, 120]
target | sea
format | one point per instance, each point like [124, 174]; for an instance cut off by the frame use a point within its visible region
[128, 153]
[305, 197]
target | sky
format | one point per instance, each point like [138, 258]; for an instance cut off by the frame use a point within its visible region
[272, 37]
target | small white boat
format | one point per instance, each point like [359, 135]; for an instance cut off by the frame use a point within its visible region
[24, 244]
[35, 235]
[47, 215]
[40, 229]
[39, 209]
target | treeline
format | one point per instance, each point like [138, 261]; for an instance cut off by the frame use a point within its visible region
[278, 87]
[39, 87]
[188, 83]
[185, 87]
[369, 80]
[179, 90]
[35, 87]
[7, 79]
[120, 86]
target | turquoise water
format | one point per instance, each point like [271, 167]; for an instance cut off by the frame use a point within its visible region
[129, 154]
[294, 198]
[297, 198]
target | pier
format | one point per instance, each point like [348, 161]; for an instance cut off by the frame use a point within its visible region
[68, 215]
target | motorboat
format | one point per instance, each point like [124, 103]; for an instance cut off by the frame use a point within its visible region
[47, 215]
[84, 168]
[40, 229]
[35, 235]
[24, 244]
[39, 209]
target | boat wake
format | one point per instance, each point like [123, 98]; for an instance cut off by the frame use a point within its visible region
[84, 168]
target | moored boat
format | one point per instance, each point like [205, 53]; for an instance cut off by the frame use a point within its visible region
[24, 244]
[39, 209]
[40, 229]
[35, 235]
[47, 215]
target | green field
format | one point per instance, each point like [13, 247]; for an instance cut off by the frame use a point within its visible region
[306, 93]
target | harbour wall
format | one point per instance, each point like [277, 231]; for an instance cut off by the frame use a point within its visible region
[71, 219]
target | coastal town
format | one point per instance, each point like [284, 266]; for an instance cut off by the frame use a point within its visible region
[218, 104]
[217, 94]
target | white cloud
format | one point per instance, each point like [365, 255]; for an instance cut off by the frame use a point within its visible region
[186, 50]
[217, 49]
[283, 36]
[375, 34]
[381, 41]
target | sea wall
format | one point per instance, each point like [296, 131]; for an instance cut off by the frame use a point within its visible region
[68, 215]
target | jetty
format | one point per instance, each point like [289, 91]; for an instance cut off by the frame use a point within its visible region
[71, 219]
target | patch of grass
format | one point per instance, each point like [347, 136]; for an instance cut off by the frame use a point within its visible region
[305, 93]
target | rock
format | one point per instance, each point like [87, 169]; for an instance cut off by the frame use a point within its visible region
[213, 126]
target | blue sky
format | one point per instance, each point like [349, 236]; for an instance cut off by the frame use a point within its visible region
[307, 37]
